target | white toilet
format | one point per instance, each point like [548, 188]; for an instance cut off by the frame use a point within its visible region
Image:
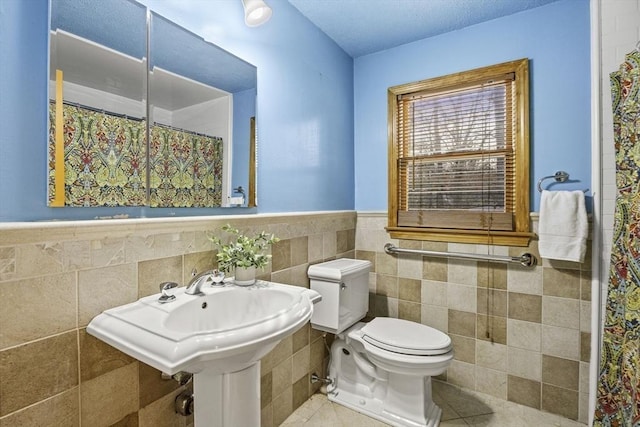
[382, 368]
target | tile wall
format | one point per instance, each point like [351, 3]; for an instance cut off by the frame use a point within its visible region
[55, 277]
[520, 334]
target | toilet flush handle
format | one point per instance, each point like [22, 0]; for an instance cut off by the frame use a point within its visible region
[342, 286]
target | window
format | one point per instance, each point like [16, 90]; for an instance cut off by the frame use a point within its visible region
[459, 157]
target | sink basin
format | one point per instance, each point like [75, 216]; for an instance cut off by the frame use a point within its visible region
[219, 312]
[226, 329]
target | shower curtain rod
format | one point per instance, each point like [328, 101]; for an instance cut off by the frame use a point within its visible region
[526, 259]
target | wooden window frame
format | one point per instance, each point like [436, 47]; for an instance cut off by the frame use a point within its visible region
[520, 234]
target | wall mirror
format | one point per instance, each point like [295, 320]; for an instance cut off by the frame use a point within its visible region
[146, 113]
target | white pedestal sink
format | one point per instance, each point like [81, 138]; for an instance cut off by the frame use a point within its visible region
[219, 336]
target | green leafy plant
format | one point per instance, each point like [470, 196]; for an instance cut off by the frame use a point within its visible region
[243, 251]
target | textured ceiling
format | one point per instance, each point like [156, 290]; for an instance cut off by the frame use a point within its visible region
[361, 27]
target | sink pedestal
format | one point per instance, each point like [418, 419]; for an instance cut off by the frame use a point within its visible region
[227, 399]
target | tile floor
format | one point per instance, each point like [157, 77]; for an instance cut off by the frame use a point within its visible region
[460, 407]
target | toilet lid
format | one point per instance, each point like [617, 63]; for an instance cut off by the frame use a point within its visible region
[405, 337]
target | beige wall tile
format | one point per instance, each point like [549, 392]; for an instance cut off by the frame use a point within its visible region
[345, 240]
[560, 401]
[410, 290]
[462, 272]
[585, 316]
[525, 307]
[561, 372]
[410, 266]
[561, 342]
[107, 251]
[464, 348]
[62, 410]
[386, 306]
[525, 364]
[386, 264]
[300, 250]
[105, 288]
[461, 297]
[491, 328]
[435, 269]
[314, 252]
[434, 293]
[38, 370]
[7, 263]
[564, 312]
[282, 406]
[492, 275]
[585, 346]
[281, 255]
[282, 377]
[317, 354]
[157, 245]
[300, 364]
[387, 285]
[409, 311]
[282, 276]
[523, 391]
[98, 358]
[492, 302]
[200, 261]
[266, 416]
[462, 374]
[583, 408]
[562, 283]
[300, 390]
[266, 389]
[34, 259]
[491, 355]
[585, 285]
[281, 352]
[153, 272]
[152, 386]
[491, 382]
[435, 316]
[161, 413]
[108, 398]
[583, 386]
[37, 307]
[300, 338]
[525, 335]
[329, 245]
[462, 323]
[524, 280]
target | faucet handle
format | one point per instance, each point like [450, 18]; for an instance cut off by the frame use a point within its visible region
[217, 277]
[166, 297]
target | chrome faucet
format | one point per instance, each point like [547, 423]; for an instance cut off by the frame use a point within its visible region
[211, 277]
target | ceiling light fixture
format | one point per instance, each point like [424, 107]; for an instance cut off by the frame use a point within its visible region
[256, 12]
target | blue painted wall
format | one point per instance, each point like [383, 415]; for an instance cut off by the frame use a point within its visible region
[310, 95]
[305, 108]
[556, 40]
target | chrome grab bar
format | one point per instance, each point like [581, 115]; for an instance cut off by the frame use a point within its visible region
[526, 259]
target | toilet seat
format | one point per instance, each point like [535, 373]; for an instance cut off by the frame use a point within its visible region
[405, 337]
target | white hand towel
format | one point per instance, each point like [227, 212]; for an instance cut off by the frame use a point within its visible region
[563, 226]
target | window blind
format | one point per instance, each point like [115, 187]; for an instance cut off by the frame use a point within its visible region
[456, 156]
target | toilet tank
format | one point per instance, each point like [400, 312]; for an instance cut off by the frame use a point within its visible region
[344, 286]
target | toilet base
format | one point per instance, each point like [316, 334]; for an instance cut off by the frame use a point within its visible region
[374, 408]
[397, 399]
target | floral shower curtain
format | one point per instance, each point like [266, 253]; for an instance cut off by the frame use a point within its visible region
[105, 162]
[618, 399]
